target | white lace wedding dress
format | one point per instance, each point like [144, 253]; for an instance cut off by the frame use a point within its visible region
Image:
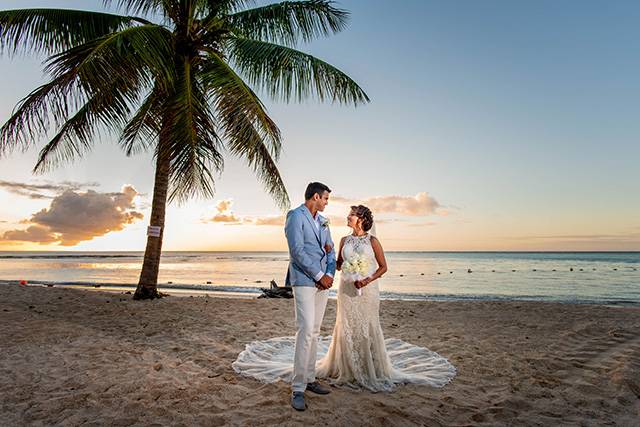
[357, 355]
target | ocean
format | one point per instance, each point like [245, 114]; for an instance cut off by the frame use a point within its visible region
[576, 277]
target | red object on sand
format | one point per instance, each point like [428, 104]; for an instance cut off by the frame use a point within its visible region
[23, 282]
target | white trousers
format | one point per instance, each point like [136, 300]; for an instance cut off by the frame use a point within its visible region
[310, 303]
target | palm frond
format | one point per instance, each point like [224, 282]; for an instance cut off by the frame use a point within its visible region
[138, 7]
[233, 97]
[107, 110]
[289, 22]
[120, 63]
[286, 74]
[143, 52]
[193, 147]
[246, 142]
[32, 117]
[50, 31]
[143, 128]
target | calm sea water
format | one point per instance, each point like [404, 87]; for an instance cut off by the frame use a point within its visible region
[582, 277]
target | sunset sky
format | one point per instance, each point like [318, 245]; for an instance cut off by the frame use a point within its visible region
[494, 125]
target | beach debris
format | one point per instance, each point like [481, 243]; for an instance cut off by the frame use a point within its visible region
[571, 269]
[535, 269]
[422, 274]
[553, 269]
[96, 286]
[581, 269]
[513, 271]
[402, 275]
[438, 273]
[23, 282]
[469, 270]
[493, 271]
[169, 283]
[258, 281]
[615, 269]
[49, 285]
[276, 291]
[208, 282]
[157, 366]
[451, 272]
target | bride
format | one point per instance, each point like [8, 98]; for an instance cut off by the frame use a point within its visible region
[357, 355]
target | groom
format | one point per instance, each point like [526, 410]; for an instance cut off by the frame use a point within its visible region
[311, 269]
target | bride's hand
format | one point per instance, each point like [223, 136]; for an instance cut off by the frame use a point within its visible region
[362, 283]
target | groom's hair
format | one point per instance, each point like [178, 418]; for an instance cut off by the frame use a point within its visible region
[315, 187]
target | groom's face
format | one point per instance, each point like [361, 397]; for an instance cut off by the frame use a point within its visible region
[322, 200]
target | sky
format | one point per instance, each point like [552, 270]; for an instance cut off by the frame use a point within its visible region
[493, 125]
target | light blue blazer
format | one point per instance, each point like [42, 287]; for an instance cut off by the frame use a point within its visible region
[306, 248]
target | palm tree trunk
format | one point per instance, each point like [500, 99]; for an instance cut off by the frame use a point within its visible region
[147, 285]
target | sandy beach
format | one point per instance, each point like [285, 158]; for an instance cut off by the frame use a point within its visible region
[73, 357]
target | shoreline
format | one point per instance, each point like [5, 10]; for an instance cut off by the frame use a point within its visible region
[72, 357]
[252, 292]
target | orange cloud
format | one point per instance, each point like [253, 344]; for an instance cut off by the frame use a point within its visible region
[74, 217]
[421, 204]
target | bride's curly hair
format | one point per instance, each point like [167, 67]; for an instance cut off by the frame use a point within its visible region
[364, 213]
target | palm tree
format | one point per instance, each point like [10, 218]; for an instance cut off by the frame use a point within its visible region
[178, 77]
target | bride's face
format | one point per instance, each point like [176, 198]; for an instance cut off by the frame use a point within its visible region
[352, 219]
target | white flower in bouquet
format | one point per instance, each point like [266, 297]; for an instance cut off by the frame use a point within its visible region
[356, 264]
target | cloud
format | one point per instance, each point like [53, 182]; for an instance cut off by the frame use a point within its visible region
[45, 190]
[269, 220]
[421, 204]
[74, 217]
[224, 213]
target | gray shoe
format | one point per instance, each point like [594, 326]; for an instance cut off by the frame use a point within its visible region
[297, 401]
[317, 388]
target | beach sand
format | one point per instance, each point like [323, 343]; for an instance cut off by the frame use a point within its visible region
[75, 357]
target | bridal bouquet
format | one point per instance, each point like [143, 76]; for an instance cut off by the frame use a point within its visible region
[356, 264]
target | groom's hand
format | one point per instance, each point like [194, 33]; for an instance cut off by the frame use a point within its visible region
[326, 282]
